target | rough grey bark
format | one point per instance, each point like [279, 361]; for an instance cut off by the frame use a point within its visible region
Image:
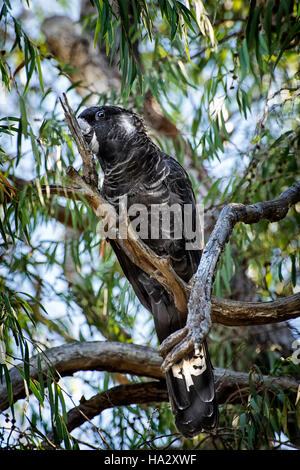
[199, 305]
[236, 313]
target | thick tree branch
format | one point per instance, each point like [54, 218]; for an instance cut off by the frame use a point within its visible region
[237, 313]
[199, 304]
[143, 393]
[231, 388]
[94, 355]
[230, 215]
[126, 358]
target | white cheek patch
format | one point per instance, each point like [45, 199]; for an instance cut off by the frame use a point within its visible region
[86, 129]
[84, 126]
[126, 123]
[94, 145]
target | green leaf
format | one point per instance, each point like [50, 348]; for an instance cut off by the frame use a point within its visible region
[9, 388]
[227, 136]
[254, 405]
[106, 381]
[212, 193]
[291, 35]
[97, 30]
[41, 377]
[34, 299]
[123, 9]
[268, 24]
[279, 271]
[34, 389]
[4, 74]
[3, 12]
[50, 395]
[62, 402]
[39, 69]
[3, 233]
[242, 422]
[244, 59]
[252, 24]
[26, 363]
[174, 23]
[30, 58]
[284, 415]
[217, 285]
[293, 270]
[24, 120]
[228, 260]
[226, 278]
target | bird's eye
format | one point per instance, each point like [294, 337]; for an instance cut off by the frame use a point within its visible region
[99, 115]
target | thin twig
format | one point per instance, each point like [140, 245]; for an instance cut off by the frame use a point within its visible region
[88, 163]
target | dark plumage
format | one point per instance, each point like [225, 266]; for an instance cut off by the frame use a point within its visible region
[134, 166]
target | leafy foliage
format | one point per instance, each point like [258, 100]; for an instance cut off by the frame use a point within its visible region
[226, 74]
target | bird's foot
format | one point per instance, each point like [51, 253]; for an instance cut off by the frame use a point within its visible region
[183, 341]
[175, 347]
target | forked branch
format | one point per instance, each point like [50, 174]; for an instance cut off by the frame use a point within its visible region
[199, 304]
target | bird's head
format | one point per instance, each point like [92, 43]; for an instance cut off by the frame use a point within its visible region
[107, 129]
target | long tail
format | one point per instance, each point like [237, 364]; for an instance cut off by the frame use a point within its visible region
[190, 382]
[192, 394]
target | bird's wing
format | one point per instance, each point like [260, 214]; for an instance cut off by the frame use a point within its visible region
[175, 188]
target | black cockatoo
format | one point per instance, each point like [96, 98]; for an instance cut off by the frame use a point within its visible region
[135, 167]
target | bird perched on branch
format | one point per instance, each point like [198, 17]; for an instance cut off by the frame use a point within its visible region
[135, 168]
